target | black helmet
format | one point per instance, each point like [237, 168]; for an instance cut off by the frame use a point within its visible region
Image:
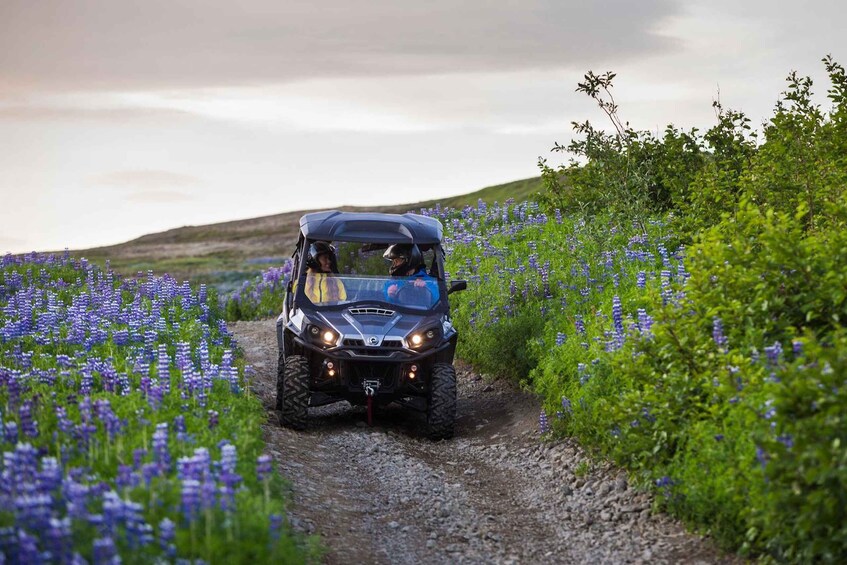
[319, 248]
[409, 252]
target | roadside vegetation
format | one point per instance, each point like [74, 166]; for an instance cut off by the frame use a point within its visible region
[679, 302]
[127, 430]
[685, 315]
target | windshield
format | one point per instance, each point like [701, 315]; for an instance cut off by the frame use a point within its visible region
[419, 293]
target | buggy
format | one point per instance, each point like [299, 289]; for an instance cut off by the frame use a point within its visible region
[366, 346]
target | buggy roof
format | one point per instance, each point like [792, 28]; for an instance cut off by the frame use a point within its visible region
[371, 227]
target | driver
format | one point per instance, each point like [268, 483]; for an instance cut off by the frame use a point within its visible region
[407, 261]
[321, 284]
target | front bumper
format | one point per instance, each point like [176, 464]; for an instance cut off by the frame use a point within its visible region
[342, 372]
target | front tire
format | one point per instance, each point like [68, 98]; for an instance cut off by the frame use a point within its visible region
[441, 410]
[292, 391]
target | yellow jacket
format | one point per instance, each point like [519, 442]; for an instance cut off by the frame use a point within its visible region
[322, 287]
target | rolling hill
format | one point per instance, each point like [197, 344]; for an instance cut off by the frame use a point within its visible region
[224, 254]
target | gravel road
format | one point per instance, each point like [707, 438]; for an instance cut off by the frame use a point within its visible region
[496, 493]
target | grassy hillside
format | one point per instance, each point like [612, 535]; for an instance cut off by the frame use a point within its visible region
[225, 254]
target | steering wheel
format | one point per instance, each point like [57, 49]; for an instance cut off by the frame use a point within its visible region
[414, 295]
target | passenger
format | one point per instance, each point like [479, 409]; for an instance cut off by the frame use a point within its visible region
[407, 261]
[321, 284]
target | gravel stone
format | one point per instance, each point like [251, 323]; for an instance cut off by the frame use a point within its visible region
[496, 493]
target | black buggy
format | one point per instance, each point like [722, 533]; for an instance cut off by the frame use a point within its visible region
[368, 344]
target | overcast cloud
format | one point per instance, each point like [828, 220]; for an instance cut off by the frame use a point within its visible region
[121, 118]
[55, 45]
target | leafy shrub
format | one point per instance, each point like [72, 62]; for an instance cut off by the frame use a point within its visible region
[701, 177]
[804, 516]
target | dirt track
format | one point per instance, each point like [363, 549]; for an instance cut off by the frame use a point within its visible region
[495, 493]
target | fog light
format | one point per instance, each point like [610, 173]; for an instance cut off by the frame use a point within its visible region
[331, 372]
[417, 339]
[328, 336]
[413, 368]
[411, 375]
[329, 365]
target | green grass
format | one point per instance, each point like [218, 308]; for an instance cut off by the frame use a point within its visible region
[519, 190]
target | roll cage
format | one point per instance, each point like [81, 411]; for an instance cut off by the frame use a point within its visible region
[375, 232]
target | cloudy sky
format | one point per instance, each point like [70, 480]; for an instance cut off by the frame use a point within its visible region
[122, 118]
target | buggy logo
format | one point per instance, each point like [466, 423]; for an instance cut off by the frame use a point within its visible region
[372, 340]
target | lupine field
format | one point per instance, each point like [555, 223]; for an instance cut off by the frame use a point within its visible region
[127, 429]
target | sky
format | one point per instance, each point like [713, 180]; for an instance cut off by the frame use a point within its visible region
[120, 118]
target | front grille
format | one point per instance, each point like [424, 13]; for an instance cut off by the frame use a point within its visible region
[371, 312]
[353, 342]
[386, 373]
[392, 343]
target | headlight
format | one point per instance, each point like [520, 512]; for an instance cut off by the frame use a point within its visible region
[322, 336]
[424, 339]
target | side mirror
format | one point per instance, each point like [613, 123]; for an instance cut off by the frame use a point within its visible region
[456, 286]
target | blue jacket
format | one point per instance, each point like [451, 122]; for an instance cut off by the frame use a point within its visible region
[401, 282]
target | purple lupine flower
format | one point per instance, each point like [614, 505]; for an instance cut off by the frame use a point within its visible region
[138, 456]
[179, 428]
[229, 372]
[770, 412]
[264, 467]
[773, 354]
[167, 534]
[208, 489]
[59, 541]
[560, 338]
[27, 546]
[275, 526]
[213, 419]
[761, 456]
[582, 373]
[787, 440]
[580, 325]
[645, 322]
[204, 356]
[156, 396]
[161, 452]
[163, 368]
[32, 511]
[666, 484]
[718, 335]
[125, 478]
[797, 346]
[29, 427]
[543, 424]
[113, 512]
[190, 498]
[105, 552]
[681, 274]
[566, 405]
[641, 279]
[50, 476]
[667, 291]
[229, 458]
[617, 315]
